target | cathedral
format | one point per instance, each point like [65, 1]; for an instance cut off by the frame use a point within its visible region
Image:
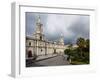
[38, 44]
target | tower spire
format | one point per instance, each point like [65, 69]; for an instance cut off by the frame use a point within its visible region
[39, 29]
[38, 19]
[62, 39]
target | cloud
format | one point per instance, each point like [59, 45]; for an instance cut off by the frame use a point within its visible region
[80, 28]
[71, 26]
[57, 24]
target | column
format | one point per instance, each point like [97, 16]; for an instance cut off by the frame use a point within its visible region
[37, 47]
[45, 48]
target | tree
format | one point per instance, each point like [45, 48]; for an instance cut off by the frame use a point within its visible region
[81, 44]
[80, 53]
[70, 46]
[87, 42]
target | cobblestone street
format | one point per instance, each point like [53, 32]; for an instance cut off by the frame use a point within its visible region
[54, 61]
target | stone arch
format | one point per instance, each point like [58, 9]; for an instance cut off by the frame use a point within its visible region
[40, 37]
[54, 51]
[29, 53]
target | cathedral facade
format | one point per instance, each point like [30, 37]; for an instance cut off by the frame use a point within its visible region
[39, 45]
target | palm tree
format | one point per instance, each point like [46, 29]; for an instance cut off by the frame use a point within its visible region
[81, 44]
[87, 44]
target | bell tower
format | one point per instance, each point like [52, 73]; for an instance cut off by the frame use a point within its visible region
[39, 29]
[61, 40]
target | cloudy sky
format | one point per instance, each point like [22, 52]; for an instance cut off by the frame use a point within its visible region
[71, 26]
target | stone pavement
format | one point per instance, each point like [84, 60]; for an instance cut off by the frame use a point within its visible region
[52, 61]
[45, 57]
[42, 57]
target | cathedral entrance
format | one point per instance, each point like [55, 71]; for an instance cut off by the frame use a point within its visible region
[54, 51]
[29, 54]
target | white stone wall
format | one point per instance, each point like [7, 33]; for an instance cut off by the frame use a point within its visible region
[29, 41]
[41, 51]
[41, 47]
[50, 51]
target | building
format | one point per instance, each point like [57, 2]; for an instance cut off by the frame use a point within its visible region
[39, 45]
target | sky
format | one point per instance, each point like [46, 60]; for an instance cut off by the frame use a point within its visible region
[71, 26]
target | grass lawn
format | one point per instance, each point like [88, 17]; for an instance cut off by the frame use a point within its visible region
[78, 63]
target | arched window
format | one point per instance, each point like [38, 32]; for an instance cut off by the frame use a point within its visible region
[54, 51]
[41, 50]
[29, 43]
[29, 54]
[40, 37]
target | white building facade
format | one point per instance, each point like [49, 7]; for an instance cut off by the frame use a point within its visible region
[39, 45]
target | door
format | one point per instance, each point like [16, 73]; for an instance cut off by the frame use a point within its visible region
[29, 54]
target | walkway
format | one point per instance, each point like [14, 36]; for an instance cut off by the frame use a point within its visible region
[52, 61]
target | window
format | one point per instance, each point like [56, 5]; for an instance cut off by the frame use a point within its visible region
[29, 54]
[29, 43]
[40, 37]
[41, 50]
